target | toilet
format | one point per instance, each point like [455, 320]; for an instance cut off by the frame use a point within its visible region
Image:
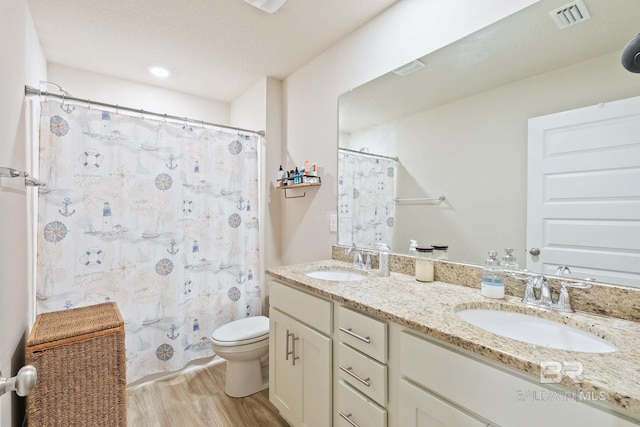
[244, 344]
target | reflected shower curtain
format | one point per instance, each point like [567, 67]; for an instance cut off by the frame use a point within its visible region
[161, 218]
[366, 189]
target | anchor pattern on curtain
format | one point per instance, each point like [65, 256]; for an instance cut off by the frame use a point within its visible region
[366, 189]
[161, 218]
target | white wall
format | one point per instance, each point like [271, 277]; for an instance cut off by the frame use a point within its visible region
[23, 63]
[408, 30]
[112, 90]
[481, 166]
[260, 108]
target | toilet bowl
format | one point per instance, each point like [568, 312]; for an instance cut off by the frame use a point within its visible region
[244, 344]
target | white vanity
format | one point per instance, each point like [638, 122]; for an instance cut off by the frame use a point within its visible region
[392, 352]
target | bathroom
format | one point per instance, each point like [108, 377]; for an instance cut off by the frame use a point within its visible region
[298, 129]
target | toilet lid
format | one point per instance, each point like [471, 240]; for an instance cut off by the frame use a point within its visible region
[243, 331]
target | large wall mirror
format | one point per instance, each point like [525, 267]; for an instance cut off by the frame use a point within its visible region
[458, 127]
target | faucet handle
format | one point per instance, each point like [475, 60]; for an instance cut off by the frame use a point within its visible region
[577, 285]
[564, 301]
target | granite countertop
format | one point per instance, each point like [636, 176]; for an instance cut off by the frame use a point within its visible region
[430, 308]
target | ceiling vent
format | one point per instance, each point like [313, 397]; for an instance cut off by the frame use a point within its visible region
[570, 14]
[409, 68]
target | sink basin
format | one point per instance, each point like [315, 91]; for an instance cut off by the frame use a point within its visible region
[535, 330]
[336, 275]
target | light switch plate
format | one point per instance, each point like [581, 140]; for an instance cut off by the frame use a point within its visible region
[333, 223]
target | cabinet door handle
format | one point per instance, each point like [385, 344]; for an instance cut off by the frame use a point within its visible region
[357, 377]
[293, 351]
[287, 352]
[353, 334]
[347, 417]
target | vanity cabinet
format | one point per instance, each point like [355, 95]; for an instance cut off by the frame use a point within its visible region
[458, 389]
[362, 356]
[419, 408]
[300, 356]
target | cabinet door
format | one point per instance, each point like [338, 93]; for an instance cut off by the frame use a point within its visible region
[419, 408]
[314, 350]
[300, 378]
[285, 378]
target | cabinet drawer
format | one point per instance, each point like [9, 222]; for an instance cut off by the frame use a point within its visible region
[363, 373]
[364, 333]
[311, 310]
[360, 411]
[420, 408]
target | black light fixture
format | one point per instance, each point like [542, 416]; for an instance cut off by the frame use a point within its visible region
[630, 57]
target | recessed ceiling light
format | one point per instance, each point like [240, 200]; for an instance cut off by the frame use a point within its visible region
[160, 72]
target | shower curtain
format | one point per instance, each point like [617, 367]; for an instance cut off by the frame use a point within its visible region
[366, 189]
[161, 218]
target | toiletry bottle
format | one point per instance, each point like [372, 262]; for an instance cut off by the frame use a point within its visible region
[441, 252]
[509, 260]
[383, 259]
[281, 177]
[424, 264]
[296, 176]
[492, 279]
[413, 244]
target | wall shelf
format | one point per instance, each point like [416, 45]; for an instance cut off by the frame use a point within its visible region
[301, 185]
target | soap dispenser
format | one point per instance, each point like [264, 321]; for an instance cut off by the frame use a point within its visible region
[413, 244]
[492, 278]
[509, 260]
[383, 259]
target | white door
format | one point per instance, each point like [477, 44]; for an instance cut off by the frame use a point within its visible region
[583, 203]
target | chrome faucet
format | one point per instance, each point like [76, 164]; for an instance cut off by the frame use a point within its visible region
[544, 298]
[357, 255]
[358, 258]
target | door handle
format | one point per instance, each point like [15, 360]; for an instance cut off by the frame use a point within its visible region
[23, 383]
[534, 251]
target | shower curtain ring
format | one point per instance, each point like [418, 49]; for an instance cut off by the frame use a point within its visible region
[117, 109]
[89, 102]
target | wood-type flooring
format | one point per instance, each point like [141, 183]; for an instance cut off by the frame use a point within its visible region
[197, 399]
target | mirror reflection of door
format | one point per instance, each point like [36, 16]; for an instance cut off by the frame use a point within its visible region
[584, 192]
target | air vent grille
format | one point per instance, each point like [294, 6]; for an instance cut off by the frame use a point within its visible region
[570, 14]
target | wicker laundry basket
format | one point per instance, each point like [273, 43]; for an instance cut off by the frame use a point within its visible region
[80, 360]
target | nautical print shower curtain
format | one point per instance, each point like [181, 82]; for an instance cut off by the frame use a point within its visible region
[161, 218]
[366, 189]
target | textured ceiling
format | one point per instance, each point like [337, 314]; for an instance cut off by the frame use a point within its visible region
[214, 48]
[522, 45]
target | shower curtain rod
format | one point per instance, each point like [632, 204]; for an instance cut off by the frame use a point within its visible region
[28, 90]
[369, 154]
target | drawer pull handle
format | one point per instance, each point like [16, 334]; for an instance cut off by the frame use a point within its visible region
[348, 419]
[357, 377]
[353, 334]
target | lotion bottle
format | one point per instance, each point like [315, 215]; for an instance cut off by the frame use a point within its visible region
[383, 259]
[492, 278]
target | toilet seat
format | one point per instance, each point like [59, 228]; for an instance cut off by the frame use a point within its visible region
[242, 332]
